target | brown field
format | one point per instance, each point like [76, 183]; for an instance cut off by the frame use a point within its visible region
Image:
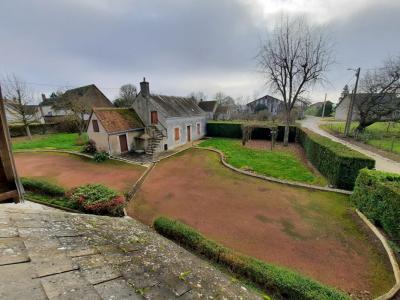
[70, 170]
[315, 233]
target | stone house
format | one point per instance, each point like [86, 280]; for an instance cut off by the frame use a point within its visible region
[10, 186]
[273, 105]
[169, 121]
[116, 130]
[209, 107]
[32, 112]
[88, 95]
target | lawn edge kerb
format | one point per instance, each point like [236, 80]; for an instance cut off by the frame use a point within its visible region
[275, 280]
[272, 179]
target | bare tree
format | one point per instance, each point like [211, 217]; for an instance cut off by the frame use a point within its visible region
[75, 109]
[294, 57]
[127, 94]
[379, 98]
[19, 102]
[198, 96]
[223, 99]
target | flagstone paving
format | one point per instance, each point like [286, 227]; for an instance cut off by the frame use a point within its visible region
[48, 254]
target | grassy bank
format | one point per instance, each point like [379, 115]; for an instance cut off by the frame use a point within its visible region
[278, 164]
[53, 141]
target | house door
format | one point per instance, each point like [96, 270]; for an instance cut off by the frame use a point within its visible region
[123, 143]
[154, 117]
[189, 136]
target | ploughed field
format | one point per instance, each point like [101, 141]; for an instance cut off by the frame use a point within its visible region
[315, 233]
[68, 170]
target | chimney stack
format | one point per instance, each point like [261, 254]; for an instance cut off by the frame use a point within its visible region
[144, 88]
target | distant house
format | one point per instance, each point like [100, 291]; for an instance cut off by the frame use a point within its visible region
[116, 130]
[89, 95]
[32, 112]
[209, 107]
[343, 106]
[271, 104]
[169, 121]
[224, 112]
[10, 187]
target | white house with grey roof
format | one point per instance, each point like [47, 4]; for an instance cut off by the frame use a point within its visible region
[169, 121]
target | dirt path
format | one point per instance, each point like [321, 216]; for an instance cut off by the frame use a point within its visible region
[71, 170]
[382, 163]
[312, 232]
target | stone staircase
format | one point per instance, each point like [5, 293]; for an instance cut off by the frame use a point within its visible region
[157, 135]
[49, 254]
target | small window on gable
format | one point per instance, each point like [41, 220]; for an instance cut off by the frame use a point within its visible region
[177, 136]
[198, 129]
[95, 126]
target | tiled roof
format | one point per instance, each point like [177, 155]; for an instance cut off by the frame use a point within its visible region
[207, 106]
[177, 106]
[118, 119]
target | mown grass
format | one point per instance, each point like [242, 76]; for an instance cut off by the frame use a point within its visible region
[278, 164]
[54, 141]
[381, 135]
[59, 201]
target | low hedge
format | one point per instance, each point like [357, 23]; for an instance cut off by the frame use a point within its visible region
[338, 163]
[42, 187]
[19, 130]
[377, 195]
[278, 281]
[234, 130]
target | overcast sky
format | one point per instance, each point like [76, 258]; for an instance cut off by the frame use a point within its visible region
[181, 46]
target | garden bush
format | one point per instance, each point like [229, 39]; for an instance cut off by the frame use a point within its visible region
[338, 163]
[98, 199]
[100, 156]
[90, 147]
[280, 282]
[42, 187]
[234, 130]
[377, 195]
[19, 130]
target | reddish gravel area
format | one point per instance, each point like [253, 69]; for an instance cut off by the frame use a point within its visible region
[70, 170]
[315, 233]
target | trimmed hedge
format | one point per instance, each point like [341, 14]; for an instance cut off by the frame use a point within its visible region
[234, 130]
[42, 187]
[338, 163]
[282, 283]
[377, 195]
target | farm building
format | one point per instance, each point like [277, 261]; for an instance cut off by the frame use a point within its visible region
[169, 121]
[343, 106]
[14, 110]
[116, 130]
[273, 105]
[209, 107]
[10, 187]
[88, 96]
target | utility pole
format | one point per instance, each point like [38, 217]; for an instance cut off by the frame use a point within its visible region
[351, 105]
[323, 108]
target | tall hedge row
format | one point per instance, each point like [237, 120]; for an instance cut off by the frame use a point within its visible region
[234, 130]
[377, 195]
[282, 283]
[338, 163]
[19, 130]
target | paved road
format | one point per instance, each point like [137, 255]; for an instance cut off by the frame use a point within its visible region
[382, 163]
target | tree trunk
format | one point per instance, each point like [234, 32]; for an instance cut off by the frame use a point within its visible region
[28, 132]
[287, 128]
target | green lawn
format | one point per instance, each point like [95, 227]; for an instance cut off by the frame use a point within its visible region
[379, 135]
[54, 141]
[282, 165]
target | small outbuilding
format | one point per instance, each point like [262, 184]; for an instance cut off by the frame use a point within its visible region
[117, 130]
[209, 108]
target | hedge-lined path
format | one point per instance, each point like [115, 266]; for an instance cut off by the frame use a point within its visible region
[312, 232]
[47, 254]
[69, 170]
[382, 163]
